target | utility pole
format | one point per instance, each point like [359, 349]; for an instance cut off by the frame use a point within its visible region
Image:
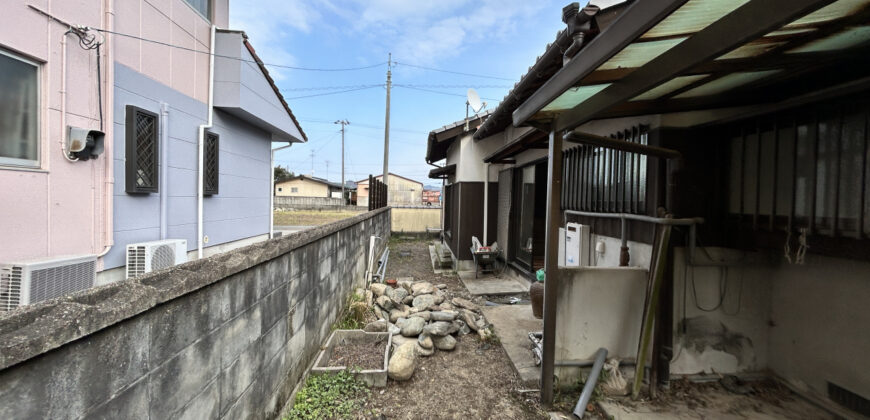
[343, 123]
[387, 126]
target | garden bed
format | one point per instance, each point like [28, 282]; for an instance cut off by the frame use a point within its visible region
[363, 353]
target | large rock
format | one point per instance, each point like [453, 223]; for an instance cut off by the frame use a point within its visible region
[426, 315]
[393, 329]
[422, 288]
[439, 328]
[408, 300]
[441, 286]
[470, 320]
[446, 342]
[397, 295]
[439, 297]
[423, 302]
[376, 326]
[447, 306]
[411, 326]
[462, 327]
[405, 284]
[465, 303]
[444, 316]
[378, 289]
[397, 313]
[425, 352]
[425, 341]
[385, 302]
[403, 362]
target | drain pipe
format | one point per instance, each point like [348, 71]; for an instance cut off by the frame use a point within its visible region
[591, 381]
[580, 22]
[200, 192]
[164, 170]
[486, 207]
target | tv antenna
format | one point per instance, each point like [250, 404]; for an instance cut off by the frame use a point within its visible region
[473, 101]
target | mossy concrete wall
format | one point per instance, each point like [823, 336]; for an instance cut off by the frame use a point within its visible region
[227, 336]
[415, 219]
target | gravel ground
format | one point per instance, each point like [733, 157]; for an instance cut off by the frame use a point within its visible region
[474, 381]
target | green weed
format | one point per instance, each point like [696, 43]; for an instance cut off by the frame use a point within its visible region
[336, 396]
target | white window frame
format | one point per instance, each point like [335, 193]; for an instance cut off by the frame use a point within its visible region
[211, 5]
[8, 162]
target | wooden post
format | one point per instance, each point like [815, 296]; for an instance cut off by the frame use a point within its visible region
[551, 261]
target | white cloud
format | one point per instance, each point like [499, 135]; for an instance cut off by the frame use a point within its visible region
[270, 25]
[416, 32]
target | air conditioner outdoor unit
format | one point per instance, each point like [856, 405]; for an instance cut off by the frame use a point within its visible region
[151, 256]
[37, 280]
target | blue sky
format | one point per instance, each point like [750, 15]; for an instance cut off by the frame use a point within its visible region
[488, 37]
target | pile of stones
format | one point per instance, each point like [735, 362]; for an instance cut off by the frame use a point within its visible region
[422, 319]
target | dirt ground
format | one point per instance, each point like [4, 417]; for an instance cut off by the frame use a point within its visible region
[311, 217]
[361, 355]
[474, 381]
[763, 399]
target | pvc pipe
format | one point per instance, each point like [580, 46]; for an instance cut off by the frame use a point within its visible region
[108, 146]
[591, 381]
[200, 195]
[164, 169]
[272, 193]
[486, 207]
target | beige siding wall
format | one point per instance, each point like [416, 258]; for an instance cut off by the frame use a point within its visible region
[415, 219]
[304, 188]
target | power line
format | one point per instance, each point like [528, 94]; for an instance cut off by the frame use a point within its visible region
[333, 93]
[455, 72]
[462, 86]
[441, 93]
[330, 87]
[282, 66]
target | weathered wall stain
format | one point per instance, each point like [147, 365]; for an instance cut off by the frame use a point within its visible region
[703, 333]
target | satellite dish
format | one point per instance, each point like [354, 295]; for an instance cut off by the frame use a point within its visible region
[474, 101]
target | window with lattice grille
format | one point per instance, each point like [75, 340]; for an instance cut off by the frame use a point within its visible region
[142, 148]
[210, 164]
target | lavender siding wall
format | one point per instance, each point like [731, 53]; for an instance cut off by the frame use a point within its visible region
[240, 210]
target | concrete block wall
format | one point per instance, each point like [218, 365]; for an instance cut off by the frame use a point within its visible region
[227, 336]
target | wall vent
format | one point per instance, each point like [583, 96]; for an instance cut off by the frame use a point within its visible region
[146, 257]
[34, 281]
[849, 399]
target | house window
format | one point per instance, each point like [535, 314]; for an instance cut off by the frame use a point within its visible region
[294, 189]
[804, 169]
[141, 154]
[280, 189]
[606, 180]
[210, 164]
[19, 111]
[201, 6]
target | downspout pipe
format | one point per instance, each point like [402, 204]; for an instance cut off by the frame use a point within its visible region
[591, 381]
[109, 100]
[486, 207]
[272, 194]
[200, 190]
[580, 22]
[164, 170]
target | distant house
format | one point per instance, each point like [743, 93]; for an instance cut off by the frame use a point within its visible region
[173, 147]
[310, 186]
[401, 191]
[431, 197]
